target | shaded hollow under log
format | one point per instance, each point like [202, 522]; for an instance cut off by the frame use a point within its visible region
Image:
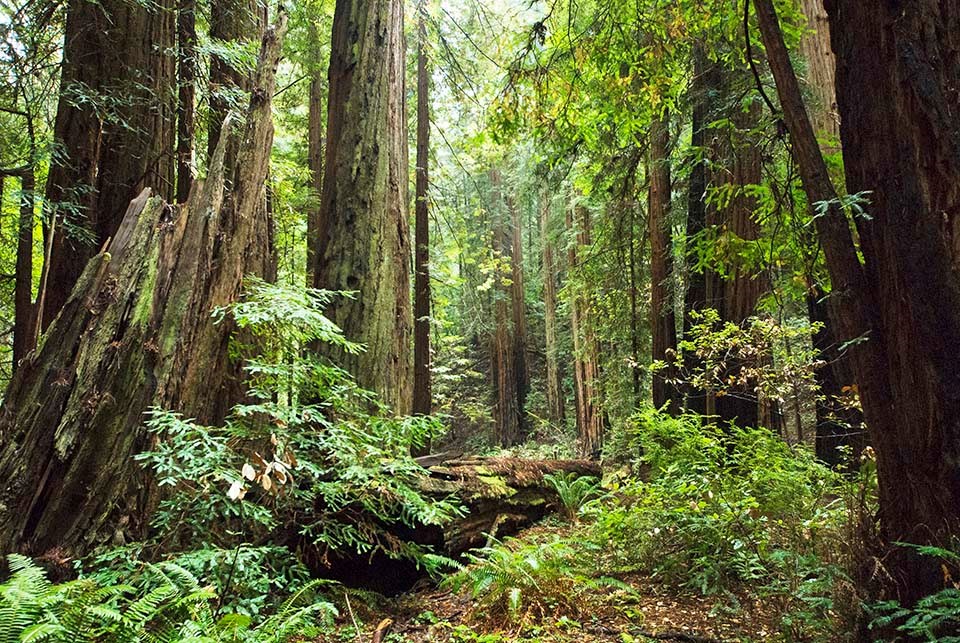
[502, 496]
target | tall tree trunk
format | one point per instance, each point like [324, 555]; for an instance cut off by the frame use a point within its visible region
[555, 405]
[695, 298]
[897, 79]
[503, 363]
[135, 333]
[232, 22]
[363, 234]
[518, 307]
[314, 159]
[838, 425]
[422, 395]
[586, 367]
[662, 318]
[120, 54]
[186, 93]
[23, 308]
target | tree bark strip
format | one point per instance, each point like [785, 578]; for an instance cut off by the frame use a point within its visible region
[422, 389]
[555, 405]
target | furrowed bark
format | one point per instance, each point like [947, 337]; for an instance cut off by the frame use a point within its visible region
[136, 333]
[363, 235]
[422, 389]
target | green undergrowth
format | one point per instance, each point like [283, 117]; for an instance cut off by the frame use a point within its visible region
[723, 512]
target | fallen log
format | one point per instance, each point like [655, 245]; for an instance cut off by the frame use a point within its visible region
[502, 495]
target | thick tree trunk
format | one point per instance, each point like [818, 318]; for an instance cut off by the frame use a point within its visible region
[821, 72]
[586, 368]
[120, 54]
[662, 320]
[135, 333]
[555, 405]
[422, 393]
[23, 308]
[897, 77]
[232, 22]
[364, 241]
[186, 95]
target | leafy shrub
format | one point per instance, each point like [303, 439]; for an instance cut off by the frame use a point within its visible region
[726, 508]
[310, 453]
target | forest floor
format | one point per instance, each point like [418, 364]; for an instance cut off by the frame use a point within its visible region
[428, 614]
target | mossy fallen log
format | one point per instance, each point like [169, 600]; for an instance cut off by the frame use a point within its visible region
[502, 495]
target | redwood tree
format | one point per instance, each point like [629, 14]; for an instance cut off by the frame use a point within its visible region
[898, 75]
[114, 129]
[362, 236]
[422, 395]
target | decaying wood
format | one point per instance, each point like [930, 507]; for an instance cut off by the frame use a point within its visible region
[135, 333]
[502, 495]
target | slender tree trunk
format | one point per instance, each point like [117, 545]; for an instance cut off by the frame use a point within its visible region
[696, 296]
[555, 405]
[121, 53]
[586, 370]
[518, 307]
[186, 93]
[662, 319]
[23, 309]
[503, 362]
[897, 79]
[315, 152]
[135, 333]
[364, 243]
[838, 425]
[635, 368]
[422, 396]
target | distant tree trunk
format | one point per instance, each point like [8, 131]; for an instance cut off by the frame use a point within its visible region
[23, 308]
[555, 405]
[508, 422]
[586, 366]
[186, 93]
[315, 153]
[897, 79]
[232, 22]
[696, 294]
[519, 311]
[635, 368]
[821, 71]
[135, 333]
[662, 319]
[363, 235]
[121, 53]
[422, 394]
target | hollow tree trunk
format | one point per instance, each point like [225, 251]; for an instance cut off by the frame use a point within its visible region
[363, 236]
[555, 405]
[897, 80]
[586, 368]
[119, 52]
[186, 95]
[662, 319]
[135, 333]
[422, 389]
